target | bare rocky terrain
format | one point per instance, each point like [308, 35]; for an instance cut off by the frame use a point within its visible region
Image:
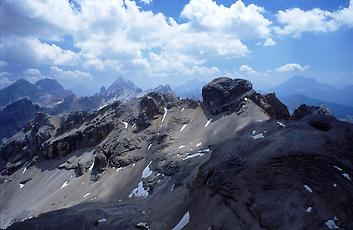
[237, 160]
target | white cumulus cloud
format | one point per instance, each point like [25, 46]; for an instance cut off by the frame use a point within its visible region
[247, 69]
[72, 75]
[238, 20]
[296, 21]
[292, 67]
[119, 36]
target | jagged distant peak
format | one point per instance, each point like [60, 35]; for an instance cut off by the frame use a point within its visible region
[162, 89]
[48, 83]
[122, 83]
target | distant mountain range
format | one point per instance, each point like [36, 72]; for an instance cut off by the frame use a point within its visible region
[340, 111]
[313, 89]
[162, 89]
[303, 90]
[22, 100]
[45, 92]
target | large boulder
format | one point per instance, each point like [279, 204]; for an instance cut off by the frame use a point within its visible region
[221, 91]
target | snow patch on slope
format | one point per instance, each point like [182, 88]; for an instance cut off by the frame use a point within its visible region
[183, 222]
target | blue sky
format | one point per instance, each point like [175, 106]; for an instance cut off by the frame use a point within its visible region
[91, 42]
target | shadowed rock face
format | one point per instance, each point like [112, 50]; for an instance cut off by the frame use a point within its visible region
[128, 164]
[318, 117]
[272, 105]
[14, 116]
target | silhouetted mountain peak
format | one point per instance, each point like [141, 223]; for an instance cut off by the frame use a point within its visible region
[20, 82]
[121, 84]
[48, 84]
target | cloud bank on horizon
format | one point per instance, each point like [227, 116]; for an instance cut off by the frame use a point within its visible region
[97, 40]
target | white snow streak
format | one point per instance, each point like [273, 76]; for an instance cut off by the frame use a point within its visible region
[65, 184]
[183, 222]
[21, 185]
[91, 167]
[338, 168]
[309, 209]
[346, 175]
[149, 147]
[182, 110]
[331, 224]
[126, 124]
[181, 146]
[194, 155]
[253, 132]
[208, 122]
[183, 127]
[308, 188]
[198, 144]
[197, 154]
[165, 114]
[258, 136]
[281, 124]
[102, 220]
[24, 170]
[87, 194]
[143, 224]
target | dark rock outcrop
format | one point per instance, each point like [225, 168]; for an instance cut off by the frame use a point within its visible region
[318, 117]
[81, 138]
[152, 105]
[226, 94]
[26, 144]
[272, 105]
[14, 116]
[221, 91]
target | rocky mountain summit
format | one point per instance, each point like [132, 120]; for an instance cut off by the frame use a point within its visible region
[121, 89]
[45, 92]
[162, 89]
[237, 160]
